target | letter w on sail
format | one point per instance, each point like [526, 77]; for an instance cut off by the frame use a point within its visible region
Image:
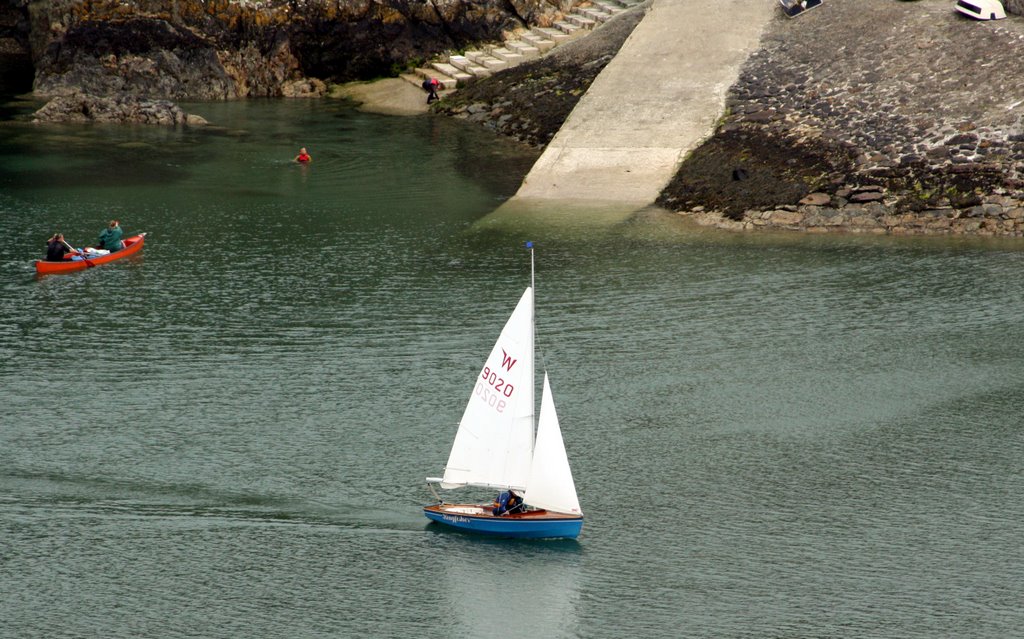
[507, 362]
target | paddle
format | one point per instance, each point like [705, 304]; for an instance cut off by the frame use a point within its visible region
[79, 252]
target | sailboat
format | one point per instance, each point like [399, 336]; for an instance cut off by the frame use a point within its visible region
[499, 445]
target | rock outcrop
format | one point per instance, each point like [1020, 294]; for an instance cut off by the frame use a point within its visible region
[125, 109]
[15, 53]
[225, 49]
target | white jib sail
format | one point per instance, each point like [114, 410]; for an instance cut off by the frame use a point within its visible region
[550, 485]
[494, 444]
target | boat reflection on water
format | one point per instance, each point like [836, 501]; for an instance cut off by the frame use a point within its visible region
[513, 588]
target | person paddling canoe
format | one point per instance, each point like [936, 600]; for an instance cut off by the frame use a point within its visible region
[57, 248]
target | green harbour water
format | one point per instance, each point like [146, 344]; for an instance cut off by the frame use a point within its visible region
[772, 435]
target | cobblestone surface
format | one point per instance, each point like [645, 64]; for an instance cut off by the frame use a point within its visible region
[910, 97]
[904, 82]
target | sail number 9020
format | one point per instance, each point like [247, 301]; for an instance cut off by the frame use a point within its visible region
[498, 383]
[498, 388]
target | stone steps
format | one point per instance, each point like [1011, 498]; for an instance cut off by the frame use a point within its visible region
[525, 49]
[459, 70]
[464, 64]
[541, 43]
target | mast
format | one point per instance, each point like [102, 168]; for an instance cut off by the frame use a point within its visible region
[529, 245]
[533, 346]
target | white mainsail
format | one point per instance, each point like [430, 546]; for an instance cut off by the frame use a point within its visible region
[550, 484]
[494, 445]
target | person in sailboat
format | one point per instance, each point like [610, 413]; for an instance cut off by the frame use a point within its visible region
[508, 503]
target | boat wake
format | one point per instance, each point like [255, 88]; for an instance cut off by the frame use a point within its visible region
[29, 496]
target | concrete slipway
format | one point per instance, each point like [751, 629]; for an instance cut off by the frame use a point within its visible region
[656, 101]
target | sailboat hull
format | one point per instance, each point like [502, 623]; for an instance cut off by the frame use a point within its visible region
[534, 524]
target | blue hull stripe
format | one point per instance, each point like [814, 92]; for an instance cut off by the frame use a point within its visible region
[511, 528]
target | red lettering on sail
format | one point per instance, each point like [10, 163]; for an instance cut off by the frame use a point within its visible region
[498, 383]
[507, 362]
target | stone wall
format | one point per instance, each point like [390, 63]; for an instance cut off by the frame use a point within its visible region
[997, 215]
[1014, 7]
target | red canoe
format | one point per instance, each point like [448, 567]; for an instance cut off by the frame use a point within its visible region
[132, 245]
